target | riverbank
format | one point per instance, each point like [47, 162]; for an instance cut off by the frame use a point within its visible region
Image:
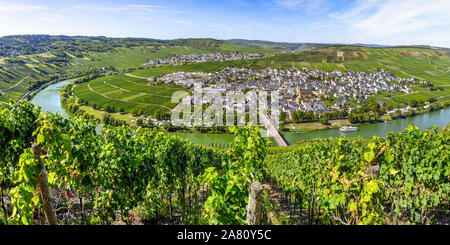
[314, 126]
[338, 123]
[33, 93]
[49, 99]
[439, 118]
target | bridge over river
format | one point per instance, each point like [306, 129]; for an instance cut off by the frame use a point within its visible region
[272, 130]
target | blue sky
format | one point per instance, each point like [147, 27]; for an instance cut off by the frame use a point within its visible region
[371, 21]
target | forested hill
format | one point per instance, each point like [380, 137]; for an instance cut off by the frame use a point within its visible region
[27, 62]
[32, 44]
[16, 45]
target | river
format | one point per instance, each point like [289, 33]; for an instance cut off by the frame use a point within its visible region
[49, 100]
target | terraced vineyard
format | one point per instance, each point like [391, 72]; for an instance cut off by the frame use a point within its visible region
[46, 58]
[128, 93]
[17, 75]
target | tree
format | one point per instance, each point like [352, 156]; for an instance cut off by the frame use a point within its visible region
[283, 116]
[150, 123]
[432, 100]
[167, 126]
[107, 119]
[139, 122]
[159, 114]
[137, 112]
[324, 120]
[134, 111]
[413, 103]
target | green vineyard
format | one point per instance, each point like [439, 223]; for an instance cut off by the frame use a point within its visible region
[127, 93]
[403, 178]
[124, 175]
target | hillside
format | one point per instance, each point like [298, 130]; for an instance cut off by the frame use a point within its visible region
[32, 60]
[129, 93]
[28, 61]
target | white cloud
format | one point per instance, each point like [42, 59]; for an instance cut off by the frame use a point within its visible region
[383, 19]
[182, 22]
[309, 5]
[118, 8]
[20, 7]
[289, 3]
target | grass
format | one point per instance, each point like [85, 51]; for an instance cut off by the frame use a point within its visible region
[422, 63]
[196, 67]
[228, 47]
[125, 58]
[34, 66]
[386, 99]
[119, 92]
[38, 66]
[311, 126]
[419, 96]
[403, 62]
[99, 114]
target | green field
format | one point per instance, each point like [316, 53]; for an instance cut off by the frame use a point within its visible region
[16, 78]
[425, 64]
[128, 93]
[422, 63]
[72, 60]
[17, 75]
[126, 58]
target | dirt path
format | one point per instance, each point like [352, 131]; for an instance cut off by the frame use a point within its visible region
[134, 97]
[17, 84]
[131, 75]
[179, 104]
[125, 90]
[119, 88]
[343, 66]
[389, 98]
[140, 103]
[145, 84]
[294, 216]
[405, 94]
[400, 70]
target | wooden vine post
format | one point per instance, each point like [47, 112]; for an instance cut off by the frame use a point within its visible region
[254, 207]
[44, 187]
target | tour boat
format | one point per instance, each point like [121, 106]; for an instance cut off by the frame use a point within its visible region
[348, 129]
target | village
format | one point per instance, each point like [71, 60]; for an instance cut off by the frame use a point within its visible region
[200, 58]
[300, 89]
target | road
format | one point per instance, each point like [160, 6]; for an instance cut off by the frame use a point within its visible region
[17, 84]
[131, 75]
[272, 130]
[23, 96]
[180, 104]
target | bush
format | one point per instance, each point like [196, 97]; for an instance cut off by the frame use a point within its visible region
[324, 120]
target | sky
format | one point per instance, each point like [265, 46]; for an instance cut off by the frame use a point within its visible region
[388, 22]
